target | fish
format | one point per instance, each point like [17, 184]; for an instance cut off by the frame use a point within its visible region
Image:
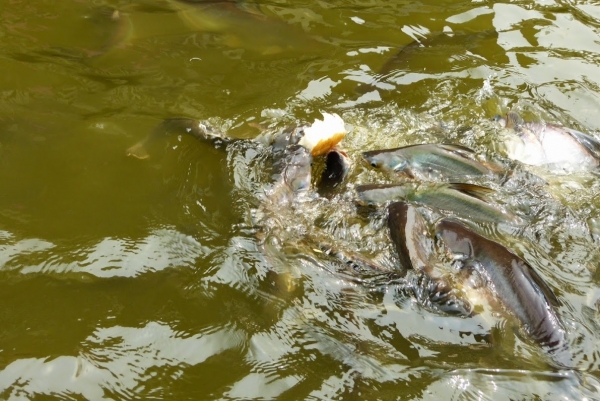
[352, 261]
[294, 169]
[438, 53]
[196, 128]
[466, 201]
[509, 278]
[416, 251]
[431, 162]
[293, 151]
[410, 236]
[549, 145]
[337, 167]
[319, 138]
[244, 25]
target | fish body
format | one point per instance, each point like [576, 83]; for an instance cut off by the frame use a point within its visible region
[464, 200]
[415, 249]
[509, 278]
[199, 130]
[410, 236]
[242, 25]
[551, 145]
[295, 168]
[440, 53]
[430, 161]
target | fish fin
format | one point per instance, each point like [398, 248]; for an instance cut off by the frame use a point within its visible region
[369, 187]
[542, 285]
[138, 151]
[513, 120]
[458, 149]
[475, 191]
[591, 144]
[470, 154]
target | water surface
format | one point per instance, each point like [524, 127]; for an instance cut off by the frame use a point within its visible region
[140, 279]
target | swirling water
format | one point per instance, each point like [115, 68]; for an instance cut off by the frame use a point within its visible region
[144, 279]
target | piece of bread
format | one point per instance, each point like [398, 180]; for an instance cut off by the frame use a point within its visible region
[323, 135]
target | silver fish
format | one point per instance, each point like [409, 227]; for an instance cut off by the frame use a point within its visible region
[510, 279]
[431, 162]
[550, 145]
[466, 201]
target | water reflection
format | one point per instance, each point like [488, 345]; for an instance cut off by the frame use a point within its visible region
[117, 361]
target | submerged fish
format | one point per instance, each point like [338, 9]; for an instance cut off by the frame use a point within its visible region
[353, 261]
[197, 129]
[416, 251]
[509, 278]
[464, 200]
[319, 138]
[243, 25]
[550, 145]
[431, 162]
[439, 53]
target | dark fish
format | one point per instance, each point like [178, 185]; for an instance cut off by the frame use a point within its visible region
[431, 161]
[509, 278]
[442, 52]
[415, 250]
[550, 145]
[410, 236]
[464, 200]
[337, 166]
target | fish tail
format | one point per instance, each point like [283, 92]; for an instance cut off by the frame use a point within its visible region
[138, 151]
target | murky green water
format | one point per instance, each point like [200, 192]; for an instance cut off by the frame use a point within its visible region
[143, 279]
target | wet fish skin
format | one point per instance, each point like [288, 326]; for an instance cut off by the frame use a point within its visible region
[463, 200]
[550, 145]
[409, 234]
[415, 250]
[509, 278]
[430, 161]
[292, 175]
[297, 168]
[372, 194]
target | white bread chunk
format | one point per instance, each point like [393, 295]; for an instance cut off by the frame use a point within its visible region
[323, 135]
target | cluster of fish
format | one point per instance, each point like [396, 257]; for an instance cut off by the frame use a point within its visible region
[482, 263]
[438, 185]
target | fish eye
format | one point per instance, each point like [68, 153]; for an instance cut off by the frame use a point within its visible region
[373, 164]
